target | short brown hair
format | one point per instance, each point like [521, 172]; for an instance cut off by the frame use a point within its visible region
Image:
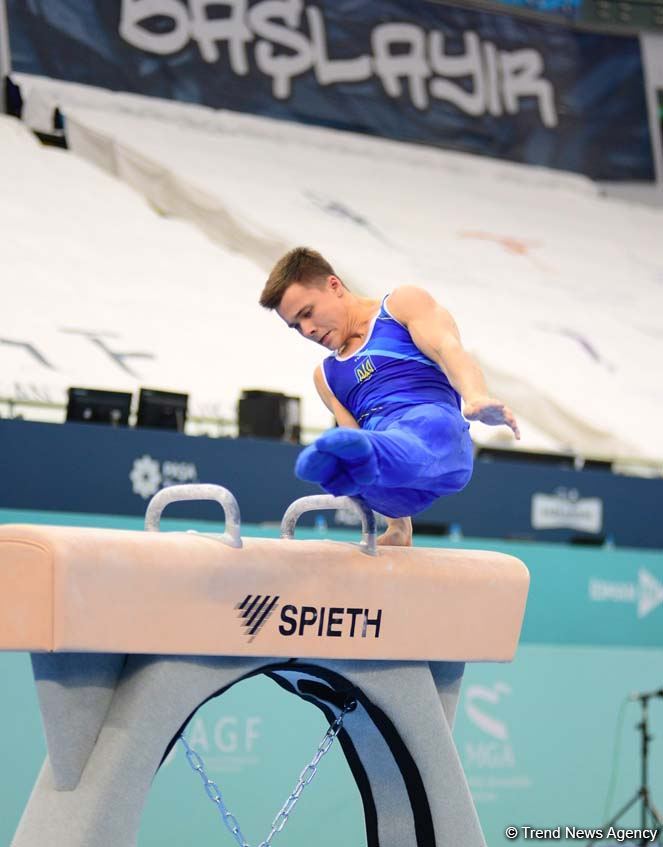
[302, 265]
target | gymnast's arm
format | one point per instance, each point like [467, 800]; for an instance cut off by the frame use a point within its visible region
[340, 413]
[435, 333]
[399, 530]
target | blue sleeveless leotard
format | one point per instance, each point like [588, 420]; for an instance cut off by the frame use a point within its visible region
[388, 373]
[413, 445]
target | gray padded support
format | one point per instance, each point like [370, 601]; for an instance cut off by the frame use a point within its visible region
[408, 697]
[80, 684]
[448, 677]
[387, 790]
[414, 766]
[154, 696]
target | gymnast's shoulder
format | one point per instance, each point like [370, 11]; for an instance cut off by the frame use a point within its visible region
[407, 302]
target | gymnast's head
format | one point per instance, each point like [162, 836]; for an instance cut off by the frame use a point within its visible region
[308, 295]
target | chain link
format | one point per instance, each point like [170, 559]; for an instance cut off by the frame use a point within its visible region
[305, 778]
[214, 794]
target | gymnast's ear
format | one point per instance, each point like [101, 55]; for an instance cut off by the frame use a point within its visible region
[335, 284]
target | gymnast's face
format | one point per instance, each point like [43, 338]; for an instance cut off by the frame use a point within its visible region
[316, 311]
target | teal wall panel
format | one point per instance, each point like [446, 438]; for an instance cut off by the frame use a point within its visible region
[536, 736]
[587, 595]
[536, 739]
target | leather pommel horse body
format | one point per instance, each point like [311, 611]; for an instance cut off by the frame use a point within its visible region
[130, 632]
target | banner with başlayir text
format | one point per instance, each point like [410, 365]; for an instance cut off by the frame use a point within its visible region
[473, 81]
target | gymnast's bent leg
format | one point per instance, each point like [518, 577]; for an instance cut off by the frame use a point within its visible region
[421, 454]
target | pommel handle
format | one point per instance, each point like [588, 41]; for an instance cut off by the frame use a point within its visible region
[179, 493]
[317, 502]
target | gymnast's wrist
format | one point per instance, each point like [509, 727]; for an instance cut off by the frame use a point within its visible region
[475, 400]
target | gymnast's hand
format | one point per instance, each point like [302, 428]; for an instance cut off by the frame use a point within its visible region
[491, 412]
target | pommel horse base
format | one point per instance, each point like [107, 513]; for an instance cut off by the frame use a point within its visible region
[131, 632]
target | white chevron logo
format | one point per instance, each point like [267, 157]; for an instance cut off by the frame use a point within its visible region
[650, 593]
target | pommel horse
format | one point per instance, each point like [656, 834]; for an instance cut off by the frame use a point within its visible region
[131, 632]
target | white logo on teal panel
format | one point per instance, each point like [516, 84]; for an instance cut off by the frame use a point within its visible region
[488, 754]
[651, 593]
[646, 594]
[566, 509]
[486, 722]
[228, 743]
[148, 475]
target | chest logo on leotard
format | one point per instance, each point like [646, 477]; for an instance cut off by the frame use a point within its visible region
[365, 370]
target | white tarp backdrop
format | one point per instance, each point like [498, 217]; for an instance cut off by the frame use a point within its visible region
[558, 291]
[92, 275]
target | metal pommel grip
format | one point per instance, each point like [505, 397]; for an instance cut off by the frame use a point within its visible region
[179, 493]
[318, 502]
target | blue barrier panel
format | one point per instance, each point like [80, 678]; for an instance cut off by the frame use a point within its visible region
[93, 468]
[528, 501]
[481, 82]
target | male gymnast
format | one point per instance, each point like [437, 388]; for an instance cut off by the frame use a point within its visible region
[394, 382]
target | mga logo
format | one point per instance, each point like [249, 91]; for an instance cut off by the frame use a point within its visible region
[365, 370]
[492, 747]
[487, 723]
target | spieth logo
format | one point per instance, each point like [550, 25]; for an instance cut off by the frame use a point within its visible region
[323, 622]
[254, 612]
[565, 509]
[148, 475]
[647, 593]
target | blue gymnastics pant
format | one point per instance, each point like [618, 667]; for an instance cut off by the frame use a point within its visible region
[411, 458]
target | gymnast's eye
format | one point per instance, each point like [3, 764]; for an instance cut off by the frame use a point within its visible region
[306, 314]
